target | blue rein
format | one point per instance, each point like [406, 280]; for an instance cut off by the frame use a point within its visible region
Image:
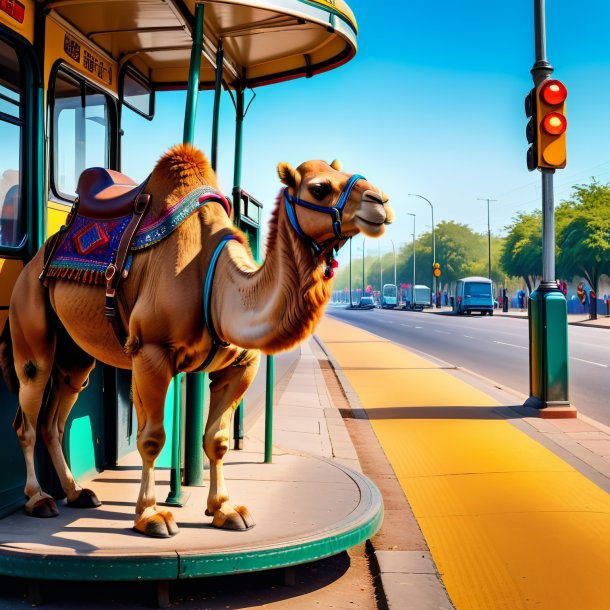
[336, 212]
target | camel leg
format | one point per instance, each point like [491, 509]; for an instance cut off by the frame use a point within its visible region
[33, 352]
[70, 374]
[151, 378]
[227, 386]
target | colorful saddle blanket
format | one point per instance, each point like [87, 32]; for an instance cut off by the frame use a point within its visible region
[90, 245]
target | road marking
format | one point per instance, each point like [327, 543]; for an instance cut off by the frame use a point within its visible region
[407, 325]
[510, 344]
[589, 362]
[419, 327]
[442, 332]
[468, 337]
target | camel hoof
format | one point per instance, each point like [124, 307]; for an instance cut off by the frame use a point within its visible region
[239, 519]
[85, 499]
[159, 525]
[43, 509]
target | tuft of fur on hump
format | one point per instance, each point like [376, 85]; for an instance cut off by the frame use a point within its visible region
[180, 170]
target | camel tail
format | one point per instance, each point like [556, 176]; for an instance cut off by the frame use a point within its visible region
[7, 362]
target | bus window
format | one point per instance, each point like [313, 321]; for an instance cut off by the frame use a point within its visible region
[81, 132]
[11, 136]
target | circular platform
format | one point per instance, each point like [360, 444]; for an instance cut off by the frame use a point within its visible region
[305, 508]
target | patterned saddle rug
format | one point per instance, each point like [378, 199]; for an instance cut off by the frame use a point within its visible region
[89, 246]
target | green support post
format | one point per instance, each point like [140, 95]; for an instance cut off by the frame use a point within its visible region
[216, 112]
[195, 381]
[193, 426]
[238, 417]
[269, 411]
[175, 496]
[193, 84]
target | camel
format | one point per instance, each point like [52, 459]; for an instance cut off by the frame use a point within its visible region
[58, 331]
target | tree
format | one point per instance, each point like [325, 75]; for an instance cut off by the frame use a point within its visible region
[522, 252]
[585, 245]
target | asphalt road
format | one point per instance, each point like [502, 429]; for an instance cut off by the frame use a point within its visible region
[497, 348]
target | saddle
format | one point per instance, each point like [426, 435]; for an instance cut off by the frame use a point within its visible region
[103, 195]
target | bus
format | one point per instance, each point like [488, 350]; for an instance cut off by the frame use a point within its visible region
[418, 297]
[474, 294]
[389, 296]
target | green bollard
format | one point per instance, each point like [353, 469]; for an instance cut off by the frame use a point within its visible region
[548, 332]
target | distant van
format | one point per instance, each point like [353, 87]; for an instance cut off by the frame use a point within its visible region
[474, 294]
[418, 297]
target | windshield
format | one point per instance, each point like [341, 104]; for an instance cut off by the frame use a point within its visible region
[477, 289]
[389, 290]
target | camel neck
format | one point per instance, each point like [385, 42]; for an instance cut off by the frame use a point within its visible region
[274, 307]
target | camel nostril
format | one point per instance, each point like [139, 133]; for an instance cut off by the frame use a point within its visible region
[373, 196]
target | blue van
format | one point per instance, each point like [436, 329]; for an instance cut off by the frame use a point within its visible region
[474, 294]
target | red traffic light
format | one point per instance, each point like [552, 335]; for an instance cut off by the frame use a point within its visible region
[554, 92]
[555, 123]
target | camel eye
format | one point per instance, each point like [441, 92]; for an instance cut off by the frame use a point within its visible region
[319, 191]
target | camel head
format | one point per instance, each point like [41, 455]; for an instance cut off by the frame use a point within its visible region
[327, 205]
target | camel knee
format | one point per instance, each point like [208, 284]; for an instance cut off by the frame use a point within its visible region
[151, 441]
[49, 433]
[216, 446]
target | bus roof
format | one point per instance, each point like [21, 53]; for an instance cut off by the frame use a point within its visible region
[263, 41]
[475, 278]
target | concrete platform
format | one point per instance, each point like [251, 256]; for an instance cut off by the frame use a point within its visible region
[306, 507]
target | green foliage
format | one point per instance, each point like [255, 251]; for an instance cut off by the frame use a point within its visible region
[584, 234]
[522, 252]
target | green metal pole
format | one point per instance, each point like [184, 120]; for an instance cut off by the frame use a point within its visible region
[193, 439]
[269, 411]
[216, 113]
[195, 382]
[239, 132]
[238, 418]
[193, 84]
[175, 496]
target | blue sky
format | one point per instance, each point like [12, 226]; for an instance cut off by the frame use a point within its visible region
[431, 104]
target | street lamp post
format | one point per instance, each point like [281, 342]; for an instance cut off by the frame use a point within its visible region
[362, 293]
[350, 274]
[488, 237]
[394, 251]
[413, 284]
[434, 282]
[380, 267]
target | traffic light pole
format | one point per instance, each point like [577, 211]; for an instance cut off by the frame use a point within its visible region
[547, 307]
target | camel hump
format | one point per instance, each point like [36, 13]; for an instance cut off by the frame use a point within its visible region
[183, 164]
[105, 193]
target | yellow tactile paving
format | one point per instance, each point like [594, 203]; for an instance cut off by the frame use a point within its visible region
[383, 354]
[413, 388]
[510, 525]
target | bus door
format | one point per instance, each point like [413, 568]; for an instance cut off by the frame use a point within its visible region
[20, 196]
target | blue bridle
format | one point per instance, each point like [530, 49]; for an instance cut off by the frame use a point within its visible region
[337, 212]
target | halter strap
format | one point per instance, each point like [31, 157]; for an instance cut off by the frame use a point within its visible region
[337, 212]
[207, 310]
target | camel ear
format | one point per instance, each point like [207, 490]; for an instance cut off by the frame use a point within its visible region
[336, 164]
[286, 173]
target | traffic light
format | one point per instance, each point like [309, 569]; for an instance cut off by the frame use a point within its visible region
[546, 130]
[437, 269]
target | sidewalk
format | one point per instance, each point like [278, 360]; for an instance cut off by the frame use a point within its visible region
[515, 509]
[576, 319]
